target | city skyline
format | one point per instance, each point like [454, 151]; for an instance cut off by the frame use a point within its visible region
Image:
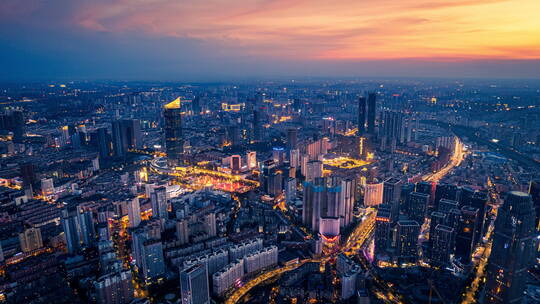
[211, 41]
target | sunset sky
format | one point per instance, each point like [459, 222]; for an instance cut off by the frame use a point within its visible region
[220, 39]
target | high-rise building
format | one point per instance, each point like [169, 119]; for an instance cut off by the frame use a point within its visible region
[466, 236]
[290, 189]
[362, 106]
[383, 230]
[159, 203]
[392, 195]
[314, 170]
[417, 206]
[392, 130]
[321, 199]
[445, 191]
[346, 201]
[114, 288]
[30, 239]
[442, 240]
[103, 141]
[534, 191]
[407, 233]
[513, 250]
[134, 212]
[372, 108]
[194, 287]
[292, 138]
[70, 224]
[174, 143]
[86, 227]
[256, 125]
[119, 139]
[271, 178]
[373, 194]
[252, 160]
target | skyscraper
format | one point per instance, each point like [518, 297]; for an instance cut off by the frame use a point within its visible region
[362, 106]
[70, 224]
[417, 206]
[292, 138]
[321, 199]
[372, 105]
[118, 139]
[466, 236]
[134, 212]
[194, 285]
[407, 241]
[383, 230]
[442, 239]
[174, 143]
[512, 251]
[534, 191]
[256, 125]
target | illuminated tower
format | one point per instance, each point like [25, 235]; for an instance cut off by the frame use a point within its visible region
[173, 132]
[512, 251]
[361, 115]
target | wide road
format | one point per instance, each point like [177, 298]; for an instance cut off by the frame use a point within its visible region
[455, 160]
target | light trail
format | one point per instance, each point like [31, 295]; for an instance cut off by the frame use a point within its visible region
[455, 160]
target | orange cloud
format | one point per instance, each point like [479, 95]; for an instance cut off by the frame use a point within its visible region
[341, 29]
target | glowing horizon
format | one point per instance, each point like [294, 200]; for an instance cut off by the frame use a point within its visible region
[242, 33]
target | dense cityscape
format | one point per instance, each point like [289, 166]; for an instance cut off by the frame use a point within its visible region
[303, 190]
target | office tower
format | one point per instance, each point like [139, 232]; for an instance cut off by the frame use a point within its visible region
[278, 155]
[417, 206]
[131, 133]
[466, 236]
[103, 143]
[174, 143]
[118, 139]
[373, 194]
[114, 288]
[159, 203]
[436, 218]
[453, 216]
[406, 190]
[70, 224]
[86, 227]
[196, 105]
[445, 205]
[465, 196]
[210, 224]
[442, 245]
[256, 125]
[407, 241]
[321, 199]
[425, 187]
[513, 250]
[28, 176]
[149, 256]
[534, 191]
[372, 108]
[314, 170]
[252, 160]
[194, 287]
[346, 201]
[362, 106]
[30, 239]
[445, 191]
[233, 135]
[383, 230]
[271, 178]
[134, 212]
[392, 195]
[290, 189]
[392, 130]
[479, 201]
[292, 138]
